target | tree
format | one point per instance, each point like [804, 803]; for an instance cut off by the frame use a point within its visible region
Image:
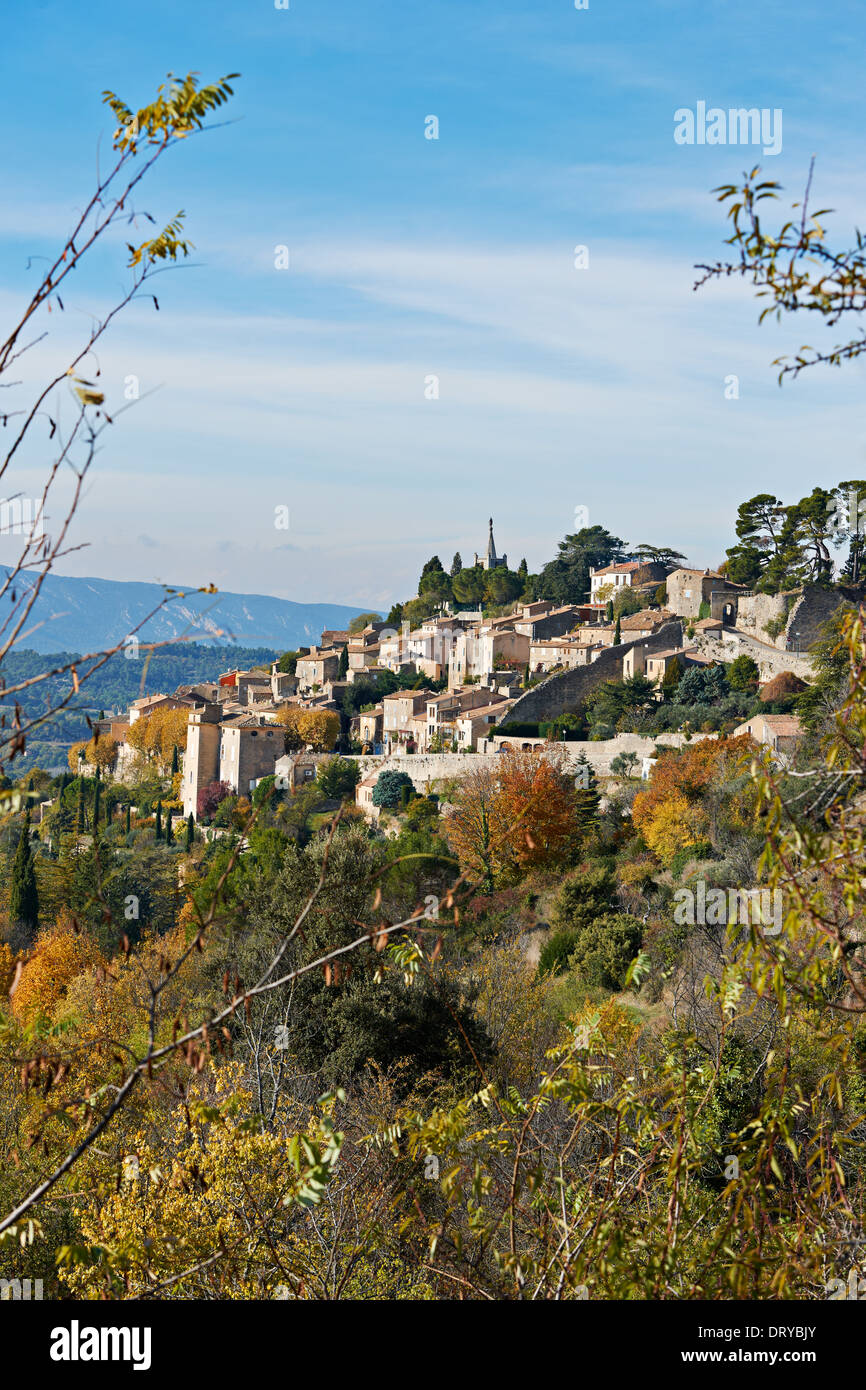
[190, 832]
[128, 819]
[80, 816]
[209, 798]
[701, 685]
[319, 729]
[23, 895]
[97, 787]
[566, 579]
[617, 636]
[743, 673]
[501, 586]
[175, 761]
[338, 777]
[168, 818]
[456, 564]
[361, 621]
[288, 661]
[343, 668]
[759, 529]
[389, 784]
[434, 584]
[794, 269]
[659, 555]
[468, 586]
[158, 827]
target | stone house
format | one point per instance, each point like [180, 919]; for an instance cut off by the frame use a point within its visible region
[238, 750]
[140, 709]
[659, 663]
[318, 667]
[626, 574]
[398, 710]
[546, 655]
[687, 589]
[644, 623]
[443, 711]
[475, 724]
[781, 732]
[370, 727]
[478, 652]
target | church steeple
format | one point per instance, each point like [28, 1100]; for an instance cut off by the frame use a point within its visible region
[491, 549]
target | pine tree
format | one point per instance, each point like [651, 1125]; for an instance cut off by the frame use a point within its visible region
[190, 831]
[24, 896]
[159, 820]
[456, 564]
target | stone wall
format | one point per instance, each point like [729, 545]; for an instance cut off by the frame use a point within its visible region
[804, 610]
[427, 768]
[755, 611]
[561, 693]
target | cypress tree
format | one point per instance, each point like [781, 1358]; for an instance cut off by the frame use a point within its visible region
[128, 820]
[168, 816]
[97, 788]
[175, 761]
[343, 668]
[80, 819]
[608, 612]
[159, 820]
[617, 636]
[24, 896]
[190, 830]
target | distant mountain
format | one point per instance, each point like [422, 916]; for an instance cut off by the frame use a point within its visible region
[86, 615]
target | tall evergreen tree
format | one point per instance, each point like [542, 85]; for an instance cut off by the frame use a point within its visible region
[128, 819]
[190, 830]
[97, 788]
[343, 668]
[617, 636]
[158, 820]
[80, 818]
[456, 564]
[168, 816]
[175, 761]
[24, 896]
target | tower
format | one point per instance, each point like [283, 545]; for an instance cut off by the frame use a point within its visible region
[490, 560]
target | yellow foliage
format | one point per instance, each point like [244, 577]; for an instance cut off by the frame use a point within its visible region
[154, 735]
[59, 955]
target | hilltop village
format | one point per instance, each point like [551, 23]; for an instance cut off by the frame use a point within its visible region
[466, 683]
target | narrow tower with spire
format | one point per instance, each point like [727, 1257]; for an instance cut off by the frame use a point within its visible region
[490, 560]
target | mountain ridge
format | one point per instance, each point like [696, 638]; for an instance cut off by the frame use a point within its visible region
[89, 614]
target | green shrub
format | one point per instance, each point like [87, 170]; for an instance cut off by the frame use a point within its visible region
[604, 950]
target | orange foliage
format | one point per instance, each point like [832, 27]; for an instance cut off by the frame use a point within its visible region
[522, 814]
[59, 955]
[669, 813]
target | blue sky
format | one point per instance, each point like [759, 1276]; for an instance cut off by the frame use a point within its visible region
[453, 258]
